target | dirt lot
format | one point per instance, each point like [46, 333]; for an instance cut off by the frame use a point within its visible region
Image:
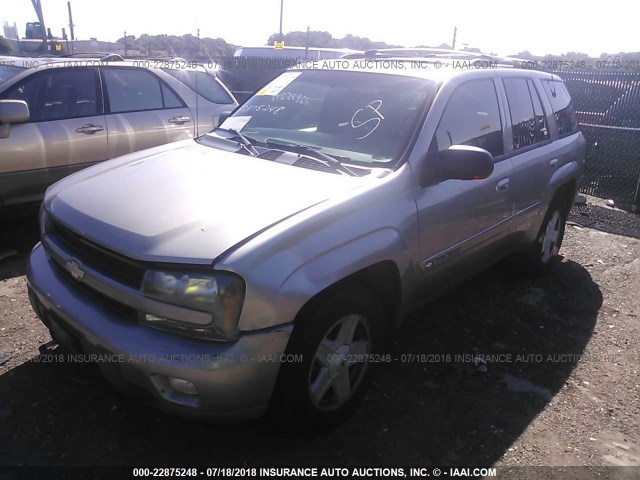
[560, 385]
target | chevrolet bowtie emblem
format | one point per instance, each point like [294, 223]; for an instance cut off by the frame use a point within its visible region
[74, 269]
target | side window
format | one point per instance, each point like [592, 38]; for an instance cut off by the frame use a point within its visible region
[134, 90]
[202, 83]
[170, 99]
[562, 106]
[528, 124]
[59, 94]
[472, 117]
[27, 90]
[542, 132]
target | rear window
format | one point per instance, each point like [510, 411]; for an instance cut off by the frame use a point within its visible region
[202, 83]
[562, 106]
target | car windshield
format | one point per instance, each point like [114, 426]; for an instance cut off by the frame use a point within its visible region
[359, 117]
[9, 71]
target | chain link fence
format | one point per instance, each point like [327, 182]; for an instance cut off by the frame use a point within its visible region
[608, 107]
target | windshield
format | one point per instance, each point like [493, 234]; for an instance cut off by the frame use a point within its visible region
[357, 117]
[8, 71]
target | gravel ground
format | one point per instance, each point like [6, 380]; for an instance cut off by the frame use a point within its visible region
[515, 372]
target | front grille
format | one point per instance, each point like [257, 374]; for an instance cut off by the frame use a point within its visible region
[119, 309]
[113, 265]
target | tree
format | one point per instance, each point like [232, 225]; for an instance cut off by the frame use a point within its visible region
[322, 39]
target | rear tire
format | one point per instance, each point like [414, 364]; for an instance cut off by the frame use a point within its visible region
[336, 343]
[544, 253]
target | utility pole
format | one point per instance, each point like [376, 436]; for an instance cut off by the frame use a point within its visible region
[281, 10]
[198, 42]
[37, 6]
[125, 43]
[455, 31]
[71, 25]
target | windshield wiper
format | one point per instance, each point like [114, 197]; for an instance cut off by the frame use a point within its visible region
[309, 152]
[243, 141]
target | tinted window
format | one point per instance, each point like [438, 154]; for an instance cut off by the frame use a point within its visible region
[59, 94]
[203, 83]
[542, 132]
[527, 118]
[132, 90]
[170, 99]
[8, 71]
[472, 117]
[562, 106]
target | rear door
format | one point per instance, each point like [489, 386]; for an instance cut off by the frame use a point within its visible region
[533, 154]
[213, 101]
[142, 111]
[66, 132]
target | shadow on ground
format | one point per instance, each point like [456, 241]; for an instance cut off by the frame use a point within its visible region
[438, 409]
[17, 238]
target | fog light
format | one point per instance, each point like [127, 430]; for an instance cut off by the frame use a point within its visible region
[183, 386]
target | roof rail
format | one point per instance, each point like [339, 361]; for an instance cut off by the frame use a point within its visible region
[437, 54]
[104, 56]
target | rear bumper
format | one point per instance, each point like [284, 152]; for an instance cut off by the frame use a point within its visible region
[233, 380]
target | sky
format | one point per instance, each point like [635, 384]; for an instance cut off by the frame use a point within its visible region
[503, 27]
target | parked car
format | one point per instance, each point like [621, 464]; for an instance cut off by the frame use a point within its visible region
[58, 116]
[267, 262]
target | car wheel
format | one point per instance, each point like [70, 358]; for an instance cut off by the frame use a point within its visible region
[544, 253]
[331, 350]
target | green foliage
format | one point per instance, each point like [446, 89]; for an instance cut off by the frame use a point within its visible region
[186, 46]
[325, 39]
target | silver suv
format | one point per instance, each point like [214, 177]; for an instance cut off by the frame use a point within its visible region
[58, 115]
[267, 262]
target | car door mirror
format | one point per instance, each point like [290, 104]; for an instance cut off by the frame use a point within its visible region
[463, 162]
[13, 111]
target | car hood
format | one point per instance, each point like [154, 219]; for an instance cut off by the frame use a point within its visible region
[186, 203]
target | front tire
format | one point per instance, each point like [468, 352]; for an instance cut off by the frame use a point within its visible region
[335, 343]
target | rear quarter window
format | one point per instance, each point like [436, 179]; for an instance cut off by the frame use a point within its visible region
[202, 83]
[562, 106]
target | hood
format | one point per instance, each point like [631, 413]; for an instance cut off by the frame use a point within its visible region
[186, 203]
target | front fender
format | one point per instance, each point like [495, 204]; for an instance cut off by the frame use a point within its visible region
[321, 272]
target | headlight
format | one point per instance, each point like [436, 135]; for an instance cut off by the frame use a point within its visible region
[220, 294]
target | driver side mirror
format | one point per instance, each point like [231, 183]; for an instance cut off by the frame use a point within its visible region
[463, 162]
[12, 111]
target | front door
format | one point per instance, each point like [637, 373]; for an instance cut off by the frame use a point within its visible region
[458, 217]
[66, 132]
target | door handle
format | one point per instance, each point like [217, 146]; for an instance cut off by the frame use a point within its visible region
[179, 119]
[89, 129]
[502, 185]
[553, 163]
